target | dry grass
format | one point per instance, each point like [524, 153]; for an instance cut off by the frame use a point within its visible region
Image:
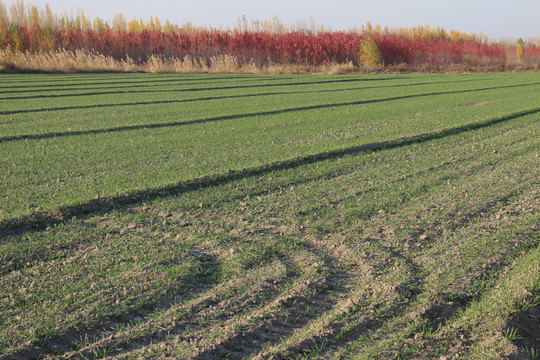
[157, 64]
[341, 68]
[83, 61]
[63, 61]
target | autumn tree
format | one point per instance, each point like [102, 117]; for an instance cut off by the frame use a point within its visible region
[369, 54]
[119, 23]
[520, 49]
[3, 21]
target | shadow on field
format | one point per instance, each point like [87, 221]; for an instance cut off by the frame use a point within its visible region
[40, 220]
[458, 216]
[151, 84]
[174, 90]
[526, 326]
[273, 330]
[78, 85]
[224, 118]
[126, 83]
[170, 91]
[439, 312]
[277, 329]
[132, 314]
[97, 90]
[100, 91]
[199, 81]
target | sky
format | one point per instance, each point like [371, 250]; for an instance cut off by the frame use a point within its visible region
[498, 19]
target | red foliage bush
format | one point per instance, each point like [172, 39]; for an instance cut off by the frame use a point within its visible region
[258, 47]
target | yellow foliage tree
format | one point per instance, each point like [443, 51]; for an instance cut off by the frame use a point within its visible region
[520, 49]
[15, 43]
[369, 54]
[168, 27]
[156, 24]
[119, 23]
[133, 26]
[3, 21]
[34, 17]
[99, 25]
[18, 13]
[47, 42]
[49, 18]
[85, 22]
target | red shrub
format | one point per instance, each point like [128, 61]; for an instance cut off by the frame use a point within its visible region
[260, 47]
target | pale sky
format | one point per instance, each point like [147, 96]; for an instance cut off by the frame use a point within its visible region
[497, 19]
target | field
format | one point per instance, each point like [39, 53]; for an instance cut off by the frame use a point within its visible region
[269, 216]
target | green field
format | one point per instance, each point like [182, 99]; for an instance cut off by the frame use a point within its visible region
[260, 216]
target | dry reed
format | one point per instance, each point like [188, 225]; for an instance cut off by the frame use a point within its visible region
[84, 61]
[63, 61]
